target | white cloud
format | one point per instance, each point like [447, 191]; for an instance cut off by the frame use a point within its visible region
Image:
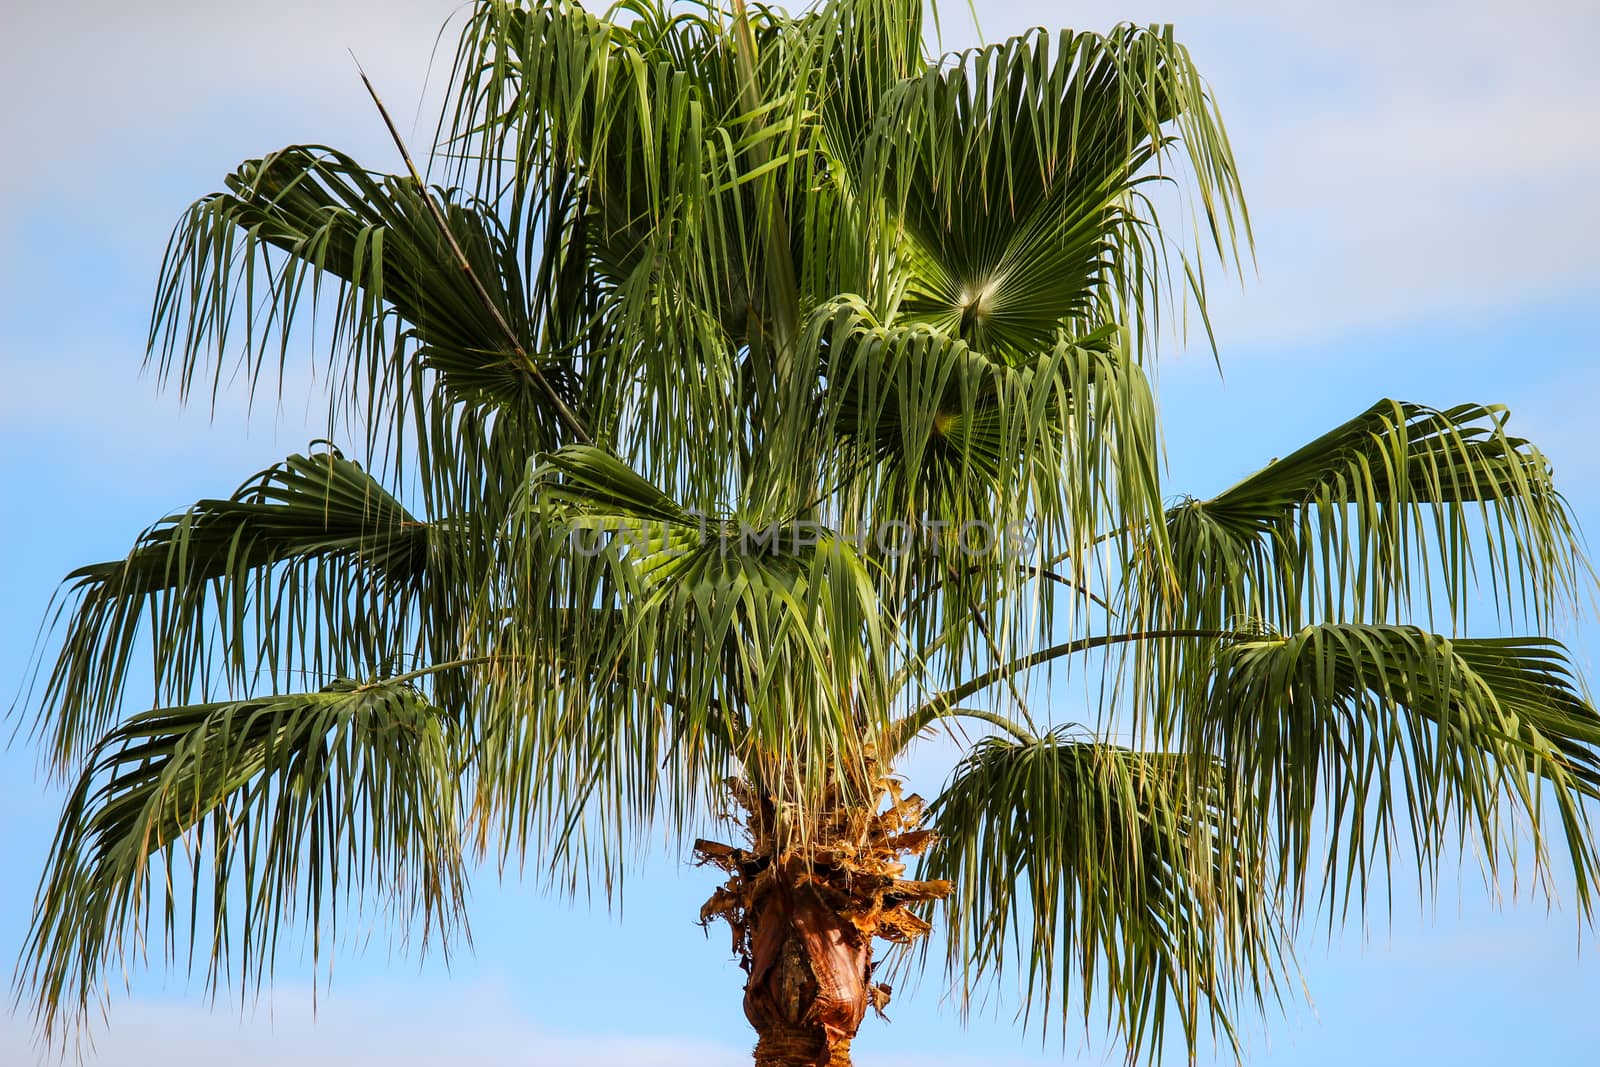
[392, 1025]
[100, 88]
[375, 1026]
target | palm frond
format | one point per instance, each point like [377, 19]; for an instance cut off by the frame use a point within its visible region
[1016, 170]
[1358, 737]
[242, 265]
[281, 809]
[628, 148]
[1117, 877]
[987, 467]
[1398, 508]
[310, 568]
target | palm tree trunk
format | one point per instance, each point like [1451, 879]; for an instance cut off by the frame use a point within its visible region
[810, 979]
[804, 918]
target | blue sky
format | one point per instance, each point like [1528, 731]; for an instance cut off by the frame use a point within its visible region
[1421, 177]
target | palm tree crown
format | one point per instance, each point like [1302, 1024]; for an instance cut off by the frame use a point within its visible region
[749, 396]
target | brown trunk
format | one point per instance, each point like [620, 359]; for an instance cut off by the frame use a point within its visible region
[804, 918]
[810, 971]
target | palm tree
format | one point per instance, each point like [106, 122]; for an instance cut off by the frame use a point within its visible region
[753, 396]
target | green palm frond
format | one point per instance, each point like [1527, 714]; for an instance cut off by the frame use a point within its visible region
[631, 144]
[989, 467]
[311, 567]
[243, 264]
[278, 810]
[1398, 508]
[870, 47]
[1117, 877]
[1356, 737]
[1016, 174]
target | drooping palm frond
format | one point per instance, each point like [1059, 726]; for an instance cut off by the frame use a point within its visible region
[1105, 877]
[1388, 734]
[869, 48]
[986, 468]
[310, 568]
[643, 126]
[278, 810]
[1402, 514]
[1403, 509]
[242, 263]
